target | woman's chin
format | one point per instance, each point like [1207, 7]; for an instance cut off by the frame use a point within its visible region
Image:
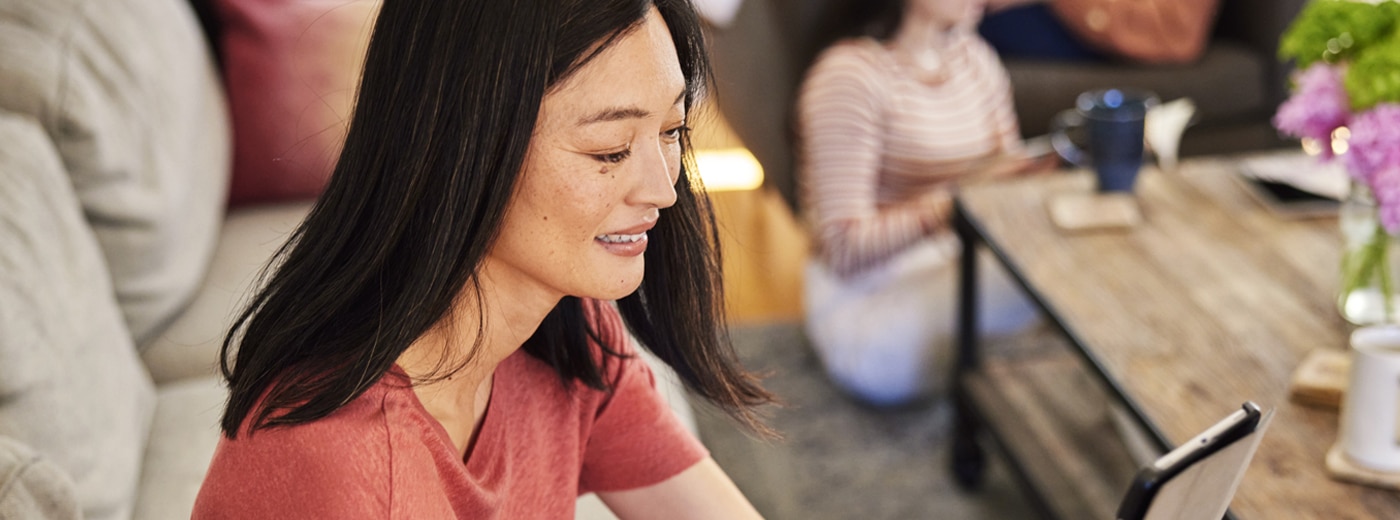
[625, 285]
[619, 292]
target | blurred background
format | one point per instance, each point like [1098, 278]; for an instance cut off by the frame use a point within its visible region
[839, 458]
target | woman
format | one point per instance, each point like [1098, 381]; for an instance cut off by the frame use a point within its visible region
[892, 123]
[434, 341]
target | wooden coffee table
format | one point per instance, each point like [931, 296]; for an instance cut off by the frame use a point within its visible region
[1207, 303]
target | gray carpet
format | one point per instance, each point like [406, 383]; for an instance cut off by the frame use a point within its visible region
[838, 459]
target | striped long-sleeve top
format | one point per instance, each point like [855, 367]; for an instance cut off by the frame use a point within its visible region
[881, 150]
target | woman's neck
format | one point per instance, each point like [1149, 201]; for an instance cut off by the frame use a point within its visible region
[476, 335]
[919, 34]
[920, 45]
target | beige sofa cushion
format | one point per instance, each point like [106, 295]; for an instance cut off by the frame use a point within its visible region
[33, 488]
[183, 437]
[127, 91]
[190, 347]
[71, 385]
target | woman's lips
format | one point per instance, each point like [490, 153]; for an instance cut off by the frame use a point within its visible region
[623, 244]
[626, 242]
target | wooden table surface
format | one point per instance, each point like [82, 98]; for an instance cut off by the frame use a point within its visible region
[1209, 302]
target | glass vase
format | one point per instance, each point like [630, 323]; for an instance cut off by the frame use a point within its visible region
[1370, 262]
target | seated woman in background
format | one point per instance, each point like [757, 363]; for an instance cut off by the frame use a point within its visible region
[436, 340]
[891, 124]
[1145, 31]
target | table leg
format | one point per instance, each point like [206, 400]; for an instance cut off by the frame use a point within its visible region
[968, 460]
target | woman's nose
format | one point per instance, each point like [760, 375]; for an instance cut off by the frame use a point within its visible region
[659, 170]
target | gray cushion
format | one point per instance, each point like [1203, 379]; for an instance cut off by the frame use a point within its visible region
[190, 347]
[183, 437]
[71, 385]
[1227, 84]
[127, 91]
[33, 488]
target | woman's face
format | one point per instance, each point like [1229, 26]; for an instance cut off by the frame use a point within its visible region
[604, 160]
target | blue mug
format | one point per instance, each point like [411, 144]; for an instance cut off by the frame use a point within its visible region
[1114, 119]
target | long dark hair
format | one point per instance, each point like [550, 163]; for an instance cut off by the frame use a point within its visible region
[447, 106]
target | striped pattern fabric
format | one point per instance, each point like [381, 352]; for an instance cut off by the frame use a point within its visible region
[881, 150]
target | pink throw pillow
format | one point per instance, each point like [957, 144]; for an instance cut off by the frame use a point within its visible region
[291, 68]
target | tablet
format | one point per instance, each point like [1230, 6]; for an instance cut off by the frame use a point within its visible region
[1198, 479]
[1294, 185]
[1287, 201]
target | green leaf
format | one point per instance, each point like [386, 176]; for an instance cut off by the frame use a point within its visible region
[1374, 75]
[1336, 30]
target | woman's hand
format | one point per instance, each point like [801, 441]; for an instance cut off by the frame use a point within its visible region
[1043, 163]
[1009, 166]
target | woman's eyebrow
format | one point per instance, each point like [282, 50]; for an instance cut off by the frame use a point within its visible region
[619, 113]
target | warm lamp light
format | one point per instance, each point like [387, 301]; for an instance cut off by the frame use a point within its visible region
[724, 162]
[728, 169]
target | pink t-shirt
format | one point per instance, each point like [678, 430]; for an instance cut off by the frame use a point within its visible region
[383, 456]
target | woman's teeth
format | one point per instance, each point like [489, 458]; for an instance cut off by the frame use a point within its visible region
[620, 239]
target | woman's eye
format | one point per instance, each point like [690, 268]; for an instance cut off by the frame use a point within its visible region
[615, 157]
[674, 134]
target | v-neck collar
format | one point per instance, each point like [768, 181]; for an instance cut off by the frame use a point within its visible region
[486, 435]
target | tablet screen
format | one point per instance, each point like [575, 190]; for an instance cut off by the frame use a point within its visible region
[1204, 490]
[1197, 480]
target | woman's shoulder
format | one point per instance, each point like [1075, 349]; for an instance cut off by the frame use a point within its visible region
[852, 53]
[851, 69]
[981, 52]
[360, 423]
[308, 467]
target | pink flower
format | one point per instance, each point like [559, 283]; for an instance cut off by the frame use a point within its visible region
[1373, 156]
[1317, 107]
[1386, 188]
[1375, 141]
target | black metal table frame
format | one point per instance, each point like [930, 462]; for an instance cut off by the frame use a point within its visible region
[967, 458]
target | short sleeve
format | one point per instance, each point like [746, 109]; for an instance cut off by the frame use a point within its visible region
[331, 468]
[636, 439]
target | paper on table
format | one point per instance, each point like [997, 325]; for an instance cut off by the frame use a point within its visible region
[1163, 129]
[1302, 171]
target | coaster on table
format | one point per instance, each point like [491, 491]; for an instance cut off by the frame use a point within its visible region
[1321, 379]
[1094, 211]
[1341, 467]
